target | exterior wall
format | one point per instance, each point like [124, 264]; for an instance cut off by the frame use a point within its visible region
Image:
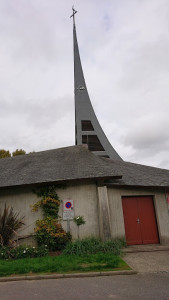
[85, 204]
[104, 213]
[116, 211]
[162, 215]
[21, 200]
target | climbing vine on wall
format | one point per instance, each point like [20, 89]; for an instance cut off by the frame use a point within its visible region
[48, 230]
[49, 203]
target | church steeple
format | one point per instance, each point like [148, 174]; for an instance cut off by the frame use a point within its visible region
[87, 128]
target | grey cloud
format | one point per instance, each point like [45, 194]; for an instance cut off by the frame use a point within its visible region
[149, 132]
[38, 112]
[147, 66]
[124, 51]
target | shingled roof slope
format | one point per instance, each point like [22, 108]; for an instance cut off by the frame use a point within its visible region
[74, 163]
[139, 175]
[70, 163]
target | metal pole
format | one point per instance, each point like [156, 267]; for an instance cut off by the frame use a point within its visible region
[68, 225]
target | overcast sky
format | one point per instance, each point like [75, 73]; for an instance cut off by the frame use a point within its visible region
[124, 47]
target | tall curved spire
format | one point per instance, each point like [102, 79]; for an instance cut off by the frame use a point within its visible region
[87, 128]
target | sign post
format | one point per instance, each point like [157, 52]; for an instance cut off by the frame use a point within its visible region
[68, 212]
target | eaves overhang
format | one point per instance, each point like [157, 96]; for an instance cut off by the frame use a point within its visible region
[61, 181]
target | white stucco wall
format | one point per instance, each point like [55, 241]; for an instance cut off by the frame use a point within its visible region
[116, 213]
[85, 204]
[21, 200]
[85, 198]
[162, 215]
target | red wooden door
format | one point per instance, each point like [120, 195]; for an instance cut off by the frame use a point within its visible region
[140, 221]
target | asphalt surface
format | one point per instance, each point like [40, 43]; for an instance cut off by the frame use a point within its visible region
[151, 282]
[144, 286]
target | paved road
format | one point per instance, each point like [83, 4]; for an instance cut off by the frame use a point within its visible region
[143, 286]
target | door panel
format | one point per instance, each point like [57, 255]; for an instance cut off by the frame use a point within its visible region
[133, 233]
[147, 220]
[140, 220]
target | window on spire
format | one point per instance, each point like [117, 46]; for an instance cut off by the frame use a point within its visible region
[93, 142]
[87, 125]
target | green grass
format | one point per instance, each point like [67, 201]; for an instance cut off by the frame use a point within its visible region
[93, 245]
[63, 264]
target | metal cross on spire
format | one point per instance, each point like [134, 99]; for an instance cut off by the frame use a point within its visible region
[73, 15]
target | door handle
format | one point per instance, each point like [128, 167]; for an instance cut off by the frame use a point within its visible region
[138, 221]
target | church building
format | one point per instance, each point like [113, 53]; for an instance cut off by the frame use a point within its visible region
[117, 199]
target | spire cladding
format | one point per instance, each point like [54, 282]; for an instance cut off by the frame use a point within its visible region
[87, 128]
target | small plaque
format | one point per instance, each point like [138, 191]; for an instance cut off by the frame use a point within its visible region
[68, 215]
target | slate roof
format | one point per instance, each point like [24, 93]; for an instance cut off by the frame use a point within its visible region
[52, 166]
[139, 175]
[76, 163]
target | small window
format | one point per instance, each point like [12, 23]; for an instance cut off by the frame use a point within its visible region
[93, 142]
[87, 126]
[84, 139]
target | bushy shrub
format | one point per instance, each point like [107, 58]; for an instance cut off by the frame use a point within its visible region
[94, 245]
[61, 242]
[10, 222]
[51, 233]
[22, 252]
[18, 152]
[4, 153]
[48, 231]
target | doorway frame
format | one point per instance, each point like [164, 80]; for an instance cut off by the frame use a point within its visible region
[155, 213]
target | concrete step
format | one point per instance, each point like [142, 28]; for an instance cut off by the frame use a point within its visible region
[145, 248]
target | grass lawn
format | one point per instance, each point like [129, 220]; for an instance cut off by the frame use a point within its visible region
[63, 264]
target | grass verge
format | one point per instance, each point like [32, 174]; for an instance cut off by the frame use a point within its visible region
[93, 245]
[63, 264]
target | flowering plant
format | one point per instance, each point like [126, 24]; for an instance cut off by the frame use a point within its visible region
[22, 251]
[79, 220]
[48, 231]
[49, 203]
